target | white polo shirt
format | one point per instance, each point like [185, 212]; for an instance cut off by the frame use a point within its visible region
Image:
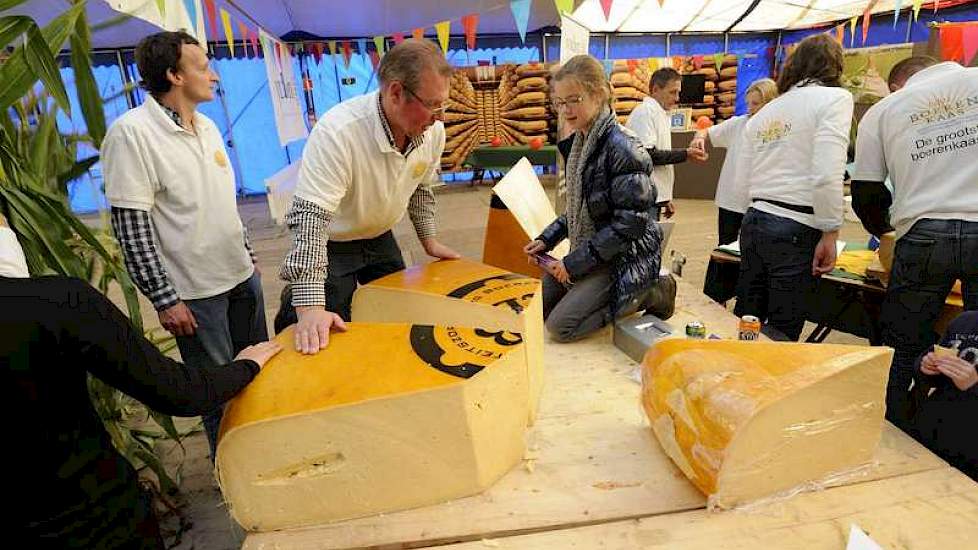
[350, 169]
[186, 183]
[654, 127]
[731, 194]
[794, 151]
[925, 138]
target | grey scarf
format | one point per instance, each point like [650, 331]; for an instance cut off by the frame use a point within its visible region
[580, 227]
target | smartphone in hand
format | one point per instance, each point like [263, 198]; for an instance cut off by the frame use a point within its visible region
[543, 259]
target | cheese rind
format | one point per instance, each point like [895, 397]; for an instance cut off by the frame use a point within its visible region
[745, 420]
[376, 422]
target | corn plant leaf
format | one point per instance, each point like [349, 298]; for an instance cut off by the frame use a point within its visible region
[41, 61]
[12, 27]
[88, 93]
[8, 4]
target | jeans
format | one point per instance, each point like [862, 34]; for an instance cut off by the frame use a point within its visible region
[926, 262]
[571, 313]
[776, 281]
[226, 324]
[350, 263]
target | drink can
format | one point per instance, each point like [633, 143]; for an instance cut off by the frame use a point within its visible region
[695, 329]
[749, 328]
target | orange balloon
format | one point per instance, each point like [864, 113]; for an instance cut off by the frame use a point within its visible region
[703, 122]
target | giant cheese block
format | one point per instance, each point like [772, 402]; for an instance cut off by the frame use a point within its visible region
[746, 420]
[387, 417]
[505, 309]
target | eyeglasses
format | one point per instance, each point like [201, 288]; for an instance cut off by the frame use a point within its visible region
[435, 111]
[571, 102]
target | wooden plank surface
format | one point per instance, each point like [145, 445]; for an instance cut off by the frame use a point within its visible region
[591, 459]
[935, 509]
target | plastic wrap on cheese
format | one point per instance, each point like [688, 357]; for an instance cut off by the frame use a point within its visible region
[747, 420]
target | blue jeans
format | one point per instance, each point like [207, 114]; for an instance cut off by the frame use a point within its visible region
[776, 281]
[926, 262]
[226, 324]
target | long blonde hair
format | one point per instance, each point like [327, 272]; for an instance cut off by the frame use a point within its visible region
[766, 88]
[589, 73]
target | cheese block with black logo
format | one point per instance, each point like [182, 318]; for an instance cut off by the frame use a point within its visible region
[746, 420]
[505, 307]
[387, 417]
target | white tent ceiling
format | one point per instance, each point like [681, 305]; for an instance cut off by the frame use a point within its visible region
[356, 18]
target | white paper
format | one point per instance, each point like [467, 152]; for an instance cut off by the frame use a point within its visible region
[730, 248]
[574, 38]
[280, 188]
[521, 192]
[858, 540]
[289, 116]
[839, 247]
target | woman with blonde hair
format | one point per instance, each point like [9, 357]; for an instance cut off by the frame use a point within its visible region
[614, 255]
[792, 160]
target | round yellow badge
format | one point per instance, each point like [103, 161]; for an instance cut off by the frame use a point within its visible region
[419, 169]
[220, 159]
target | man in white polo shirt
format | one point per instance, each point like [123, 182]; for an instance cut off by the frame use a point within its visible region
[367, 160]
[172, 191]
[650, 120]
[925, 138]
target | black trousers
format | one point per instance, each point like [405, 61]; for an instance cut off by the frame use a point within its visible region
[720, 283]
[350, 263]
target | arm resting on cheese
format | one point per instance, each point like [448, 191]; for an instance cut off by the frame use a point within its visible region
[106, 343]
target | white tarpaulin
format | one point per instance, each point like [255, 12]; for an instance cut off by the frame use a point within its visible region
[281, 85]
[170, 15]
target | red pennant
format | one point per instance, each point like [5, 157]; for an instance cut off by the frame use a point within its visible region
[418, 33]
[606, 6]
[211, 16]
[317, 51]
[469, 23]
[398, 37]
[347, 52]
[952, 43]
[867, 16]
[253, 38]
[632, 65]
[244, 37]
[374, 59]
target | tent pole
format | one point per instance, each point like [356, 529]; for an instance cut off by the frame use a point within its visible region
[238, 174]
[668, 46]
[726, 42]
[607, 46]
[543, 54]
[130, 100]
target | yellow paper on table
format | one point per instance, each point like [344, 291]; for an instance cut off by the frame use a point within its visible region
[521, 192]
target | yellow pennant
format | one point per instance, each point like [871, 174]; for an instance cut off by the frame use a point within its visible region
[443, 29]
[228, 33]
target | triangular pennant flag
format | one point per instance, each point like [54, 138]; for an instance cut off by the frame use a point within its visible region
[937, 4]
[331, 44]
[697, 62]
[161, 5]
[867, 19]
[191, 6]
[317, 51]
[840, 34]
[718, 61]
[362, 47]
[564, 6]
[398, 37]
[380, 43]
[852, 31]
[228, 34]
[374, 59]
[418, 33]
[606, 7]
[916, 8]
[278, 54]
[469, 23]
[211, 16]
[253, 38]
[521, 14]
[442, 29]
[896, 12]
[243, 29]
[347, 53]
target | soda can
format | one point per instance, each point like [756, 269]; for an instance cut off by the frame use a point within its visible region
[749, 328]
[695, 329]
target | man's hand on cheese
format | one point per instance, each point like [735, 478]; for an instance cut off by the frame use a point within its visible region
[437, 250]
[961, 372]
[312, 330]
[260, 353]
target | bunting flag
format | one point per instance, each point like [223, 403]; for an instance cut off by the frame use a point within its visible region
[937, 4]
[418, 33]
[521, 15]
[380, 43]
[362, 47]
[374, 59]
[317, 51]
[278, 54]
[398, 37]
[243, 29]
[253, 38]
[852, 31]
[564, 6]
[442, 29]
[840, 34]
[191, 6]
[211, 16]
[896, 12]
[469, 23]
[606, 7]
[952, 43]
[916, 8]
[161, 5]
[718, 60]
[228, 34]
[347, 53]
[867, 19]
[331, 44]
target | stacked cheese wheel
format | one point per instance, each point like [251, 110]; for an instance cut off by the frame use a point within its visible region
[630, 85]
[510, 103]
[708, 107]
[727, 88]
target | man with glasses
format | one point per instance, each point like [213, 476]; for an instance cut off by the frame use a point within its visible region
[366, 161]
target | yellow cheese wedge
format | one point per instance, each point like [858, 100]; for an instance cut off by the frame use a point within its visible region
[388, 417]
[504, 308]
[746, 420]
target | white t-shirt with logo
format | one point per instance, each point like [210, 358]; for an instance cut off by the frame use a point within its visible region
[654, 128]
[731, 194]
[925, 138]
[794, 152]
[186, 182]
[350, 169]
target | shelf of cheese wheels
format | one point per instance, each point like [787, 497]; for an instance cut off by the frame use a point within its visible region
[753, 420]
[509, 103]
[426, 398]
[630, 85]
[720, 87]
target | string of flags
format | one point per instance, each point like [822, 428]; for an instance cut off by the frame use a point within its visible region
[839, 31]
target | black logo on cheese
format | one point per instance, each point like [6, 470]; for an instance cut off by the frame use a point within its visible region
[462, 351]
